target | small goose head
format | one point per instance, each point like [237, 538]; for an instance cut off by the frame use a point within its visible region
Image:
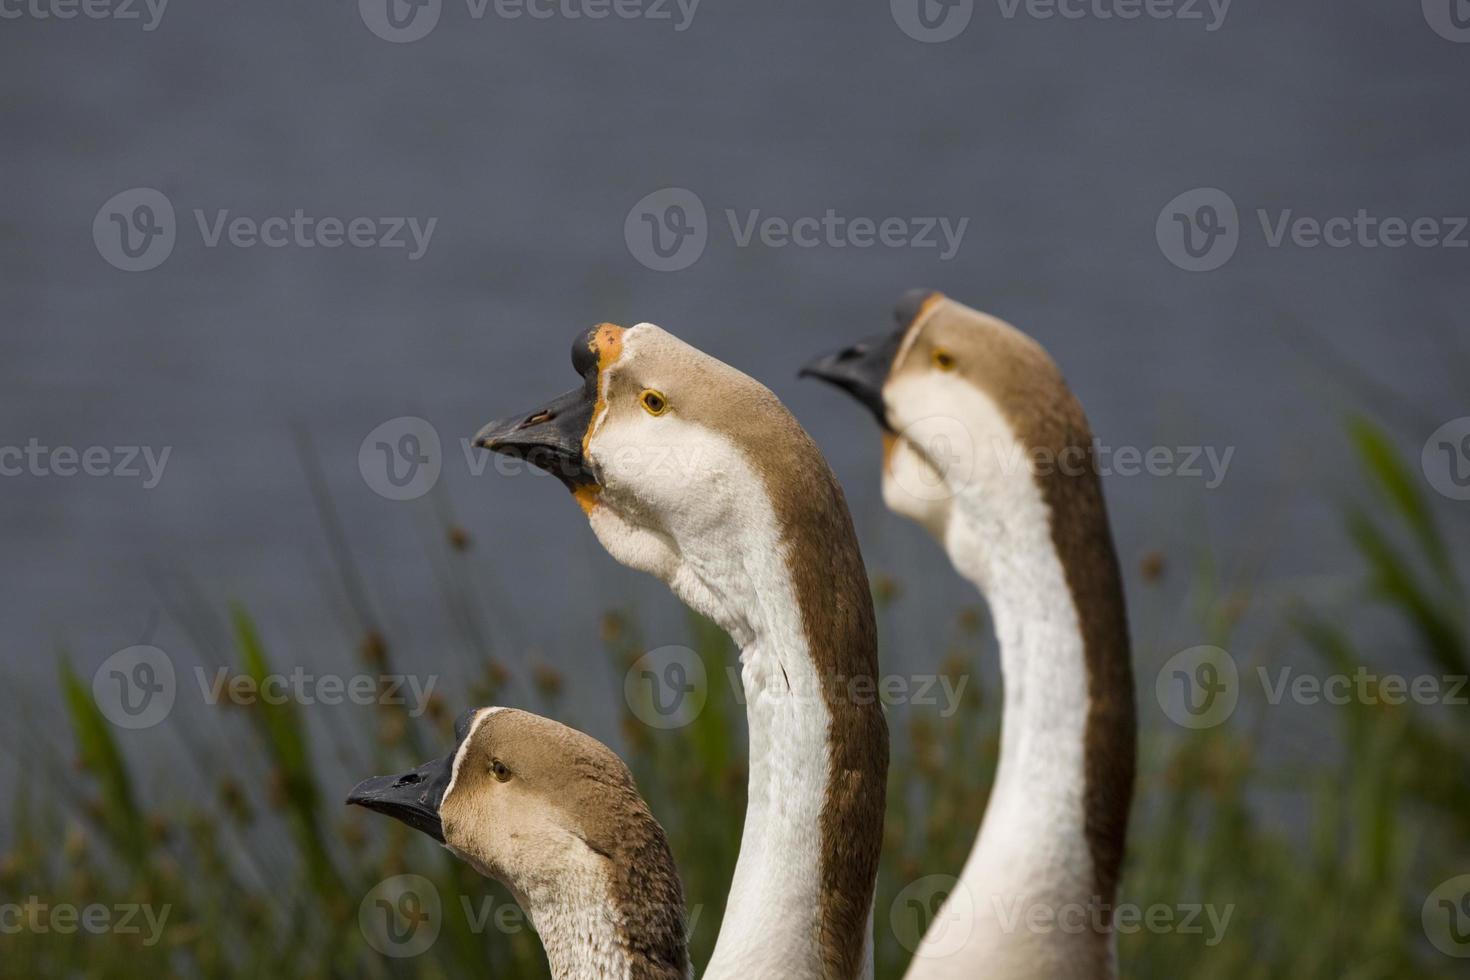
[963, 400]
[554, 815]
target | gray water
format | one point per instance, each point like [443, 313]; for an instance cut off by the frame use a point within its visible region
[530, 140]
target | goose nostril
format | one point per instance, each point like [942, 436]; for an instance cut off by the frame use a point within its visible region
[538, 418]
[408, 779]
[856, 350]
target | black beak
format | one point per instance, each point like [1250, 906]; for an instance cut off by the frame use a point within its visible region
[860, 370]
[412, 797]
[550, 438]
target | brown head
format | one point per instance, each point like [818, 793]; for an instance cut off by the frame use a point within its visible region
[556, 816]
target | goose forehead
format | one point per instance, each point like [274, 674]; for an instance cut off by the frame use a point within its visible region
[708, 395]
[922, 319]
[655, 353]
[462, 750]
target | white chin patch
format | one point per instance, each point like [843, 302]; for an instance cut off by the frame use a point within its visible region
[914, 489]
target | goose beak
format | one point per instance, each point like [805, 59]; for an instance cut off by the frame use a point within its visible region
[860, 370]
[549, 438]
[412, 797]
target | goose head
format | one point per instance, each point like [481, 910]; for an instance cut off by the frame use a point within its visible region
[965, 403]
[554, 815]
[670, 452]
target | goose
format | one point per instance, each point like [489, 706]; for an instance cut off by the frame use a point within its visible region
[986, 447]
[555, 816]
[691, 471]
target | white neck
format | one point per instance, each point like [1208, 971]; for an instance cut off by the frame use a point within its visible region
[771, 915]
[1032, 837]
[743, 583]
[1032, 849]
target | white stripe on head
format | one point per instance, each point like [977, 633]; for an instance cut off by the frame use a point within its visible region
[469, 737]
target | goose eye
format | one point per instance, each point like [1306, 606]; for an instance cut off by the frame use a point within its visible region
[500, 770]
[653, 402]
[943, 359]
